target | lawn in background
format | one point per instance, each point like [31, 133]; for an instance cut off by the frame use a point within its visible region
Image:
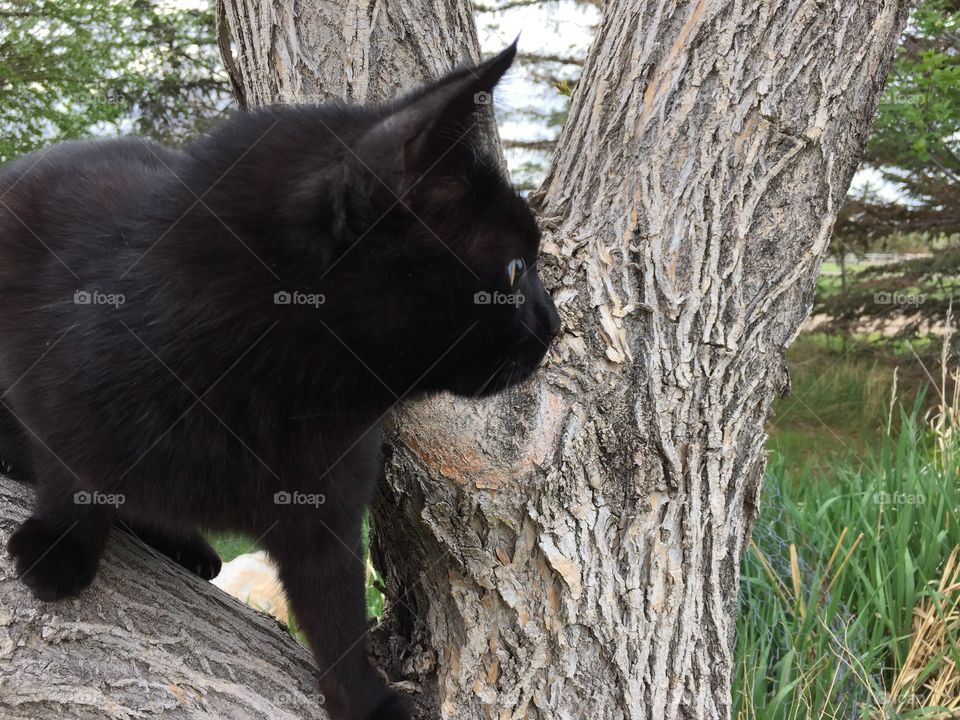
[850, 588]
[840, 565]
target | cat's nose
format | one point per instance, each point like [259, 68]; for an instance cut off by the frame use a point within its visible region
[552, 320]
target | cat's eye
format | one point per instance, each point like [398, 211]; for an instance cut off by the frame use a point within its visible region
[515, 270]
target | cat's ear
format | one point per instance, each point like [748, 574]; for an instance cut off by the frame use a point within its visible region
[422, 128]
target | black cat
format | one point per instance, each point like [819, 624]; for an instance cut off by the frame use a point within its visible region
[211, 338]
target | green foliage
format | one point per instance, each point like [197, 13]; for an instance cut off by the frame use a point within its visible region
[374, 581]
[839, 562]
[564, 88]
[918, 116]
[69, 68]
[915, 144]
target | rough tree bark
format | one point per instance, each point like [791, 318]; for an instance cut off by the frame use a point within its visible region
[146, 640]
[572, 550]
[345, 50]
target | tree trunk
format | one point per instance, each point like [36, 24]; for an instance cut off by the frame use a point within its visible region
[572, 549]
[315, 51]
[590, 541]
[147, 639]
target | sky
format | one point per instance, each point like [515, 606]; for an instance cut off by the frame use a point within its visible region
[562, 28]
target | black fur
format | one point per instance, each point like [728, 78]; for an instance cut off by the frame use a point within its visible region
[203, 401]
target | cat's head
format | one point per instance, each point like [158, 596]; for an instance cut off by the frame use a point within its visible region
[441, 245]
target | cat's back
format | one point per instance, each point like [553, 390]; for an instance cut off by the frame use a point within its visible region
[73, 198]
[95, 170]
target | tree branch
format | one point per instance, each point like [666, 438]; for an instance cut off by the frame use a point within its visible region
[146, 639]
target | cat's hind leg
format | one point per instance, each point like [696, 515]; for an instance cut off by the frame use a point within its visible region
[191, 550]
[323, 577]
[57, 549]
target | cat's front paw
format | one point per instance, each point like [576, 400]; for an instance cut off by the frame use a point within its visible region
[52, 562]
[195, 554]
[394, 707]
[190, 551]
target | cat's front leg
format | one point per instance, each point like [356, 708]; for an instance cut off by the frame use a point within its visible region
[322, 572]
[189, 550]
[57, 549]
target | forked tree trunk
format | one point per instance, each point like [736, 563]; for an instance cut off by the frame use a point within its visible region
[572, 550]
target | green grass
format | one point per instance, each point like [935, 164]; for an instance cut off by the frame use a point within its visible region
[229, 545]
[838, 403]
[840, 561]
[832, 266]
[839, 400]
